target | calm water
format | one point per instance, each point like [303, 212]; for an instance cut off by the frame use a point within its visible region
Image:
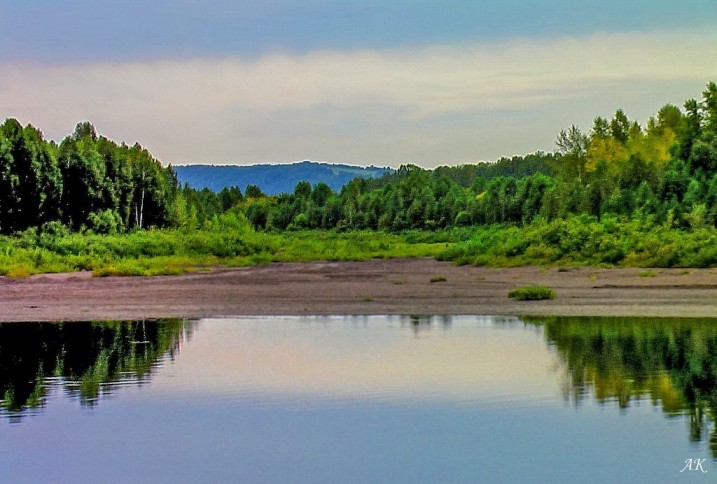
[359, 399]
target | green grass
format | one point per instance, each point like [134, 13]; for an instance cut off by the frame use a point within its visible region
[229, 240]
[437, 279]
[532, 293]
[340, 246]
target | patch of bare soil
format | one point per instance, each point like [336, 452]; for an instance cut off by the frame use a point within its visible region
[397, 286]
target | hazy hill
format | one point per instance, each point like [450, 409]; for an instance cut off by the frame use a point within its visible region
[273, 179]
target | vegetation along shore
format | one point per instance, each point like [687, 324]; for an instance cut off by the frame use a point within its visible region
[622, 194]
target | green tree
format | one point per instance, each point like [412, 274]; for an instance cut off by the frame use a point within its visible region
[83, 176]
[620, 127]
[572, 145]
[29, 178]
[229, 197]
[253, 191]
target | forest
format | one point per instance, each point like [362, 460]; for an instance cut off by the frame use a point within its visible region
[664, 171]
[621, 193]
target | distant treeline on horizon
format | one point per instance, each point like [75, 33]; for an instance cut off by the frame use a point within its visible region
[274, 179]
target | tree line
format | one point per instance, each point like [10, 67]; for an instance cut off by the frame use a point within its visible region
[664, 172]
[84, 182]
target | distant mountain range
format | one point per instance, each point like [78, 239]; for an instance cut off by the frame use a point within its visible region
[273, 179]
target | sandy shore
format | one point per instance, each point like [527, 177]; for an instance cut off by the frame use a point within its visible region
[401, 286]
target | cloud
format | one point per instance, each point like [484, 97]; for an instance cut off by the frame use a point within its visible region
[449, 103]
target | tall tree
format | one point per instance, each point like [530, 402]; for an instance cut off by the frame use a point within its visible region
[572, 145]
[29, 178]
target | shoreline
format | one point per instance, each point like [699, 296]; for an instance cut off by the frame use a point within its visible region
[378, 286]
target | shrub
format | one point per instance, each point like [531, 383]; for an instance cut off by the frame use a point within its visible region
[104, 222]
[532, 293]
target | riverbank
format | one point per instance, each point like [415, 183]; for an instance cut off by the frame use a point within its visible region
[395, 286]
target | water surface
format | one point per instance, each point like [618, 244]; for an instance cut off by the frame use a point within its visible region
[359, 399]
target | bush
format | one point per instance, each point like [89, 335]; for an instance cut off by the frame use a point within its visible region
[104, 222]
[532, 293]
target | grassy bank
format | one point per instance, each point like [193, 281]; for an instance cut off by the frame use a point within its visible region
[229, 240]
[587, 241]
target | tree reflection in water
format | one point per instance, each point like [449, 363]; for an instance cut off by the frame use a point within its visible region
[87, 359]
[421, 323]
[670, 362]
[673, 362]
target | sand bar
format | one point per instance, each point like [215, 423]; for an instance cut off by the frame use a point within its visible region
[398, 286]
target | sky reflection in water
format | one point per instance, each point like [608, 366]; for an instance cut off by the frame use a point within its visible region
[356, 399]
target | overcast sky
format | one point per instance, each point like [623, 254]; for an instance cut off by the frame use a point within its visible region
[360, 82]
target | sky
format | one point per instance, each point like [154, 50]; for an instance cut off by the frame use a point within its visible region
[347, 81]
